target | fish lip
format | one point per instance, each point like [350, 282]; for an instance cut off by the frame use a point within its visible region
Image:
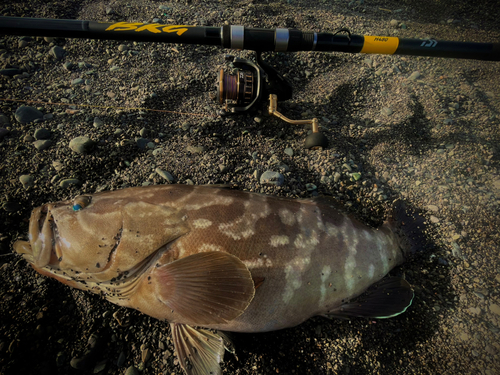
[42, 235]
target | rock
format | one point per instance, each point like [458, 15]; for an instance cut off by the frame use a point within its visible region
[132, 371]
[25, 114]
[272, 178]
[157, 151]
[386, 111]
[167, 176]
[121, 359]
[432, 208]
[10, 72]
[394, 23]
[11, 206]
[142, 143]
[98, 123]
[3, 133]
[495, 309]
[145, 355]
[311, 187]
[77, 82]
[42, 144]
[289, 151]
[81, 145]
[100, 366]
[57, 52]
[4, 120]
[195, 149]
[414, 76]
[68, 65]
[122, 47]
[42, 134]
[68, 182]
[58, 165]
[27, 180]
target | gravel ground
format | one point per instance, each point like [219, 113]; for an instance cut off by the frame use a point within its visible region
[422, 129]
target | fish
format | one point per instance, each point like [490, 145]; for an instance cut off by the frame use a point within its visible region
[211, 258]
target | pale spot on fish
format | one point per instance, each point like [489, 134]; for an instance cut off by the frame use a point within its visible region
[350, 263]
[65, 242]
[371, 271]
[292, 279]
[332, 230]
[299, 241]
[286, 216]
[209, 247]
[258, 263]
[279, 240]
[202, 223]
[325, 274]
[217, 201]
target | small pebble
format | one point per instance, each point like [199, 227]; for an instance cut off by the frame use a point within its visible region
[166, 175]
[42, 144]
[68, 182]
[272, 178]
[42, 134]
[98, 123]
[195, 149]
[414, 76]
[121, 359]
[27, 180]
[57, 52]
[81, 145]
[132, 371]
[26, 114]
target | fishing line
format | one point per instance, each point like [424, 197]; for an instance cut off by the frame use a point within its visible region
[107, 107]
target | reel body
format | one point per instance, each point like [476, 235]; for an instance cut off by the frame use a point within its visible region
[250, 83]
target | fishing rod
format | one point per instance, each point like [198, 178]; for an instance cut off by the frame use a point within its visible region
[252, 81]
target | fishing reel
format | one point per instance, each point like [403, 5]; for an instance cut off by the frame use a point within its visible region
[250, 83]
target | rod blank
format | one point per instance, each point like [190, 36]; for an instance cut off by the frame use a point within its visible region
[240, 37]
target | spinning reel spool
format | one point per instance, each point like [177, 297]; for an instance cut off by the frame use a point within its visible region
[253, 81]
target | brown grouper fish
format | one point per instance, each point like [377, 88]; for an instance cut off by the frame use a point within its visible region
[220, 259]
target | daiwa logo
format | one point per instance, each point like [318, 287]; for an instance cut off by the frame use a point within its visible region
[380, 39]
[429, 43]
[151, 27]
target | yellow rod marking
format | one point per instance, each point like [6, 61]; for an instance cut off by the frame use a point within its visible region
[386, 45]
[155, 28]
[107, 107]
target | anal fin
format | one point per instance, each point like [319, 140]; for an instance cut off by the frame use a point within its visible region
[390, 297]
[199, 350]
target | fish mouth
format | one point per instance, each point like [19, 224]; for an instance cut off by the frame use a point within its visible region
[41, 249]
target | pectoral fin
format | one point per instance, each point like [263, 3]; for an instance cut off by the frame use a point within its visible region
[206, 288]
[390, 297]
[199, 351]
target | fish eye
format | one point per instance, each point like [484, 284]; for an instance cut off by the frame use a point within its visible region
[81, 202]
